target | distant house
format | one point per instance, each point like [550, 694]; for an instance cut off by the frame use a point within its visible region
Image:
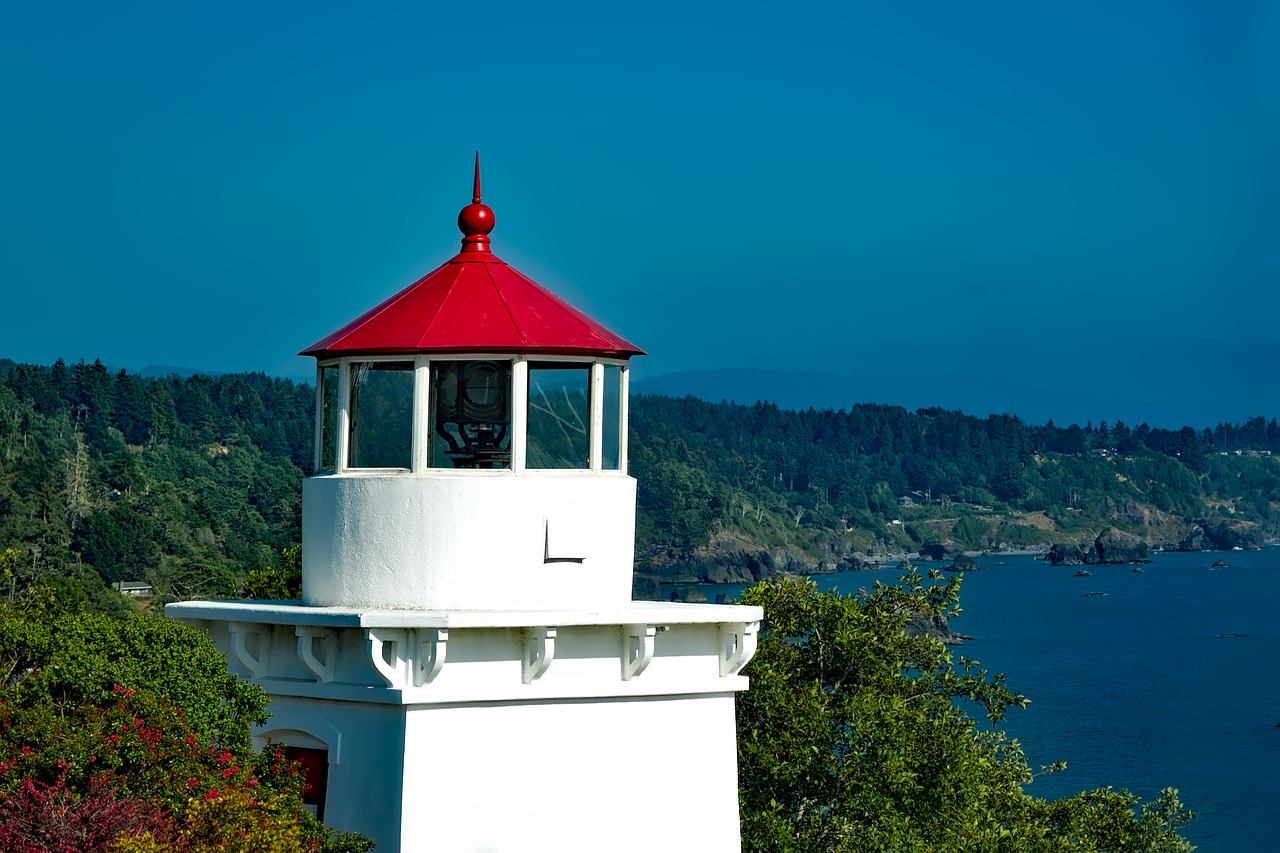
[133, 589]
[905, 501]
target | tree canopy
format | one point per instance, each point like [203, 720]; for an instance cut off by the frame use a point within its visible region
[130, 736]
[857, 736]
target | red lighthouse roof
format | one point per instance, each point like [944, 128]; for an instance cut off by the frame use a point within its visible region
[474, 302]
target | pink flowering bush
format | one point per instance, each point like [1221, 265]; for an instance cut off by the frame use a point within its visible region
[132, 776]
[163, 763]
[42, 817]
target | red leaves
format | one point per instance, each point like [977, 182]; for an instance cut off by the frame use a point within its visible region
[40, 817]
[79, 777]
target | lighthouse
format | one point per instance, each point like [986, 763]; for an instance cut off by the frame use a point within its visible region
[467, 670]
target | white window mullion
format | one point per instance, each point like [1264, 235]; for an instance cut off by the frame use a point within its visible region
[343, 438]
[623, 398]
[421, 435]
[597, 417]
[519, 412]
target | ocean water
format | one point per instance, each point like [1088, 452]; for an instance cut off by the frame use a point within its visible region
[1169, 679]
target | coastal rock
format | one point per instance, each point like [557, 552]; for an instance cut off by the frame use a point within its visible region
[1115, 546]
[962, 563]
[722, 560]
[1225, 535]
[729, 559]
[858, 561]
[938, 551]
[1112, 547]
[1069, 555]
[1195, 540]
[688, 595]
[922, 624]
[829, 565]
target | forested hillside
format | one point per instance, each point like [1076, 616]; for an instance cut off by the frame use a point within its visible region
[734, 492]
[191, 483]
[185, 483]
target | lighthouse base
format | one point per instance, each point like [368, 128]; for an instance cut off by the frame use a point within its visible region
[495, 731]
[642, 775]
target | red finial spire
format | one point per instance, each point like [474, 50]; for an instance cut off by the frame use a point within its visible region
[476, 219]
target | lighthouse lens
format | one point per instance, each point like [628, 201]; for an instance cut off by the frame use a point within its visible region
[485, 390]
[471, 414]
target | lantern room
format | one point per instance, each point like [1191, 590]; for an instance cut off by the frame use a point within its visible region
[444, 416]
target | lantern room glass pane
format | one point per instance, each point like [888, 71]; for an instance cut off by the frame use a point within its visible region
[330, 404]
[559, 416]
[381, 415]
[611, 446]
[470, 414]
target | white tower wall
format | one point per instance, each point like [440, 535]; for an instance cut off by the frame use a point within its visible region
[652, 775]
[468, 540]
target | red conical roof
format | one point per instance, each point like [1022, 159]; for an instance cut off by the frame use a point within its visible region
[474, 302]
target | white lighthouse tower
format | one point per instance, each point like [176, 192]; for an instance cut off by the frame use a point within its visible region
[466, 670]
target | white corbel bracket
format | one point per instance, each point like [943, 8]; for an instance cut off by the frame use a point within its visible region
[255, 659]
[637, 649]
[539, 651]
[321, 665]
[389, 651]
[737, 645]
[431, 646]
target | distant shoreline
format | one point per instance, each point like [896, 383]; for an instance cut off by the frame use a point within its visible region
[891, 561]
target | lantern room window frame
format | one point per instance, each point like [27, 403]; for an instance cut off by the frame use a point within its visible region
[420, 428]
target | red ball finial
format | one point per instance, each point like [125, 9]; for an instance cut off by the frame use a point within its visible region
[476, 219]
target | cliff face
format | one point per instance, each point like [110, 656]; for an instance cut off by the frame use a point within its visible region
[729, 558]
[1109, 548]
[1221, 535]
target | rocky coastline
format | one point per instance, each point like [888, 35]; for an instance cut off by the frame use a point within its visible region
[729, 560]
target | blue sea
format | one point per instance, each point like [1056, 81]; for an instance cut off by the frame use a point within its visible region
[1171, 678]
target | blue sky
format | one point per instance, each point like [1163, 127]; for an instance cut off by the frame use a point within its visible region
[1083, 198]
